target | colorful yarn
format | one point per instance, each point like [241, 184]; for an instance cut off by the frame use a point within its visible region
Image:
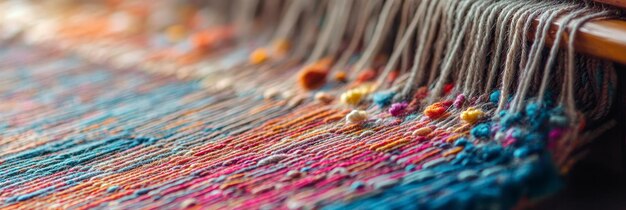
[259, 56]
[353, 97]
[383, 99]
[398, 109]
[494, 97]
[341, 76]
[471, 115]
[239, 151]
[482, 130]
[189, 123]
[314, 76]
[436, 110]
[458, 102]
[356, 116]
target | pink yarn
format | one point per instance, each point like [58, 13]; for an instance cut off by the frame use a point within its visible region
[458, 102]
[555, 134]
[398, 109]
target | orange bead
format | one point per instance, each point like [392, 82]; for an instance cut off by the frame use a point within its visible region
[366, 75]
[314, 76]
[435, 110]
[341, 76]
[311, 78]
[259, 56]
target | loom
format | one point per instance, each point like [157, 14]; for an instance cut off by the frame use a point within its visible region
[305, 104]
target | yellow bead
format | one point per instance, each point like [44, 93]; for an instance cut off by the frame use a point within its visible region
[471, 115]
[259, 56]
[352, 97]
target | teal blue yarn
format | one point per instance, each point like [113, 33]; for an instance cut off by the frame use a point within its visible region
[382, 99]
[461, 142]
[521, 152]
[533, 178]
[494, 97]
[112, 189]
[482, 130]
[509, 119]
[536, 115]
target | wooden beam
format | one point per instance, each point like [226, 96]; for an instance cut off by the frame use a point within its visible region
[617, 3]
[604, 39]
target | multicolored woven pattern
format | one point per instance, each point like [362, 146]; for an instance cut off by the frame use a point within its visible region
[77, 135]
[239, 127]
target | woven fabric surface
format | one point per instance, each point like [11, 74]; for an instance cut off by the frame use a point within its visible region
[78, 135]
[90, 119]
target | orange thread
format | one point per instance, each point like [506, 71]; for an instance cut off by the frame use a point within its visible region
[435, 110]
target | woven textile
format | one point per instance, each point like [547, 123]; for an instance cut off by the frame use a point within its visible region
[78, 135]
[107, 122]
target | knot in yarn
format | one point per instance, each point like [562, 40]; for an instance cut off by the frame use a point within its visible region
[313, 76]
[495, 96]
[341, 76]
[436, 110]
[356, 116]
[355, 96]
[458, 102]
[398, 109]
[382, 99]
[259, 56]
[482, 130]
[352, 97]
[471, 115]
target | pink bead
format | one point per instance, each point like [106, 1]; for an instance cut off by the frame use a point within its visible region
[398, 109]
[458, 102]
[555, 134]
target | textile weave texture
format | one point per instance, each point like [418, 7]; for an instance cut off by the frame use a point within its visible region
[79, 135]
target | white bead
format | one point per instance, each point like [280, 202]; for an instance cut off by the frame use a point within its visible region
[356, 116]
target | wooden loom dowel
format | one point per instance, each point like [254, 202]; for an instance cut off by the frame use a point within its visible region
[618, 3]
[604, 39]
